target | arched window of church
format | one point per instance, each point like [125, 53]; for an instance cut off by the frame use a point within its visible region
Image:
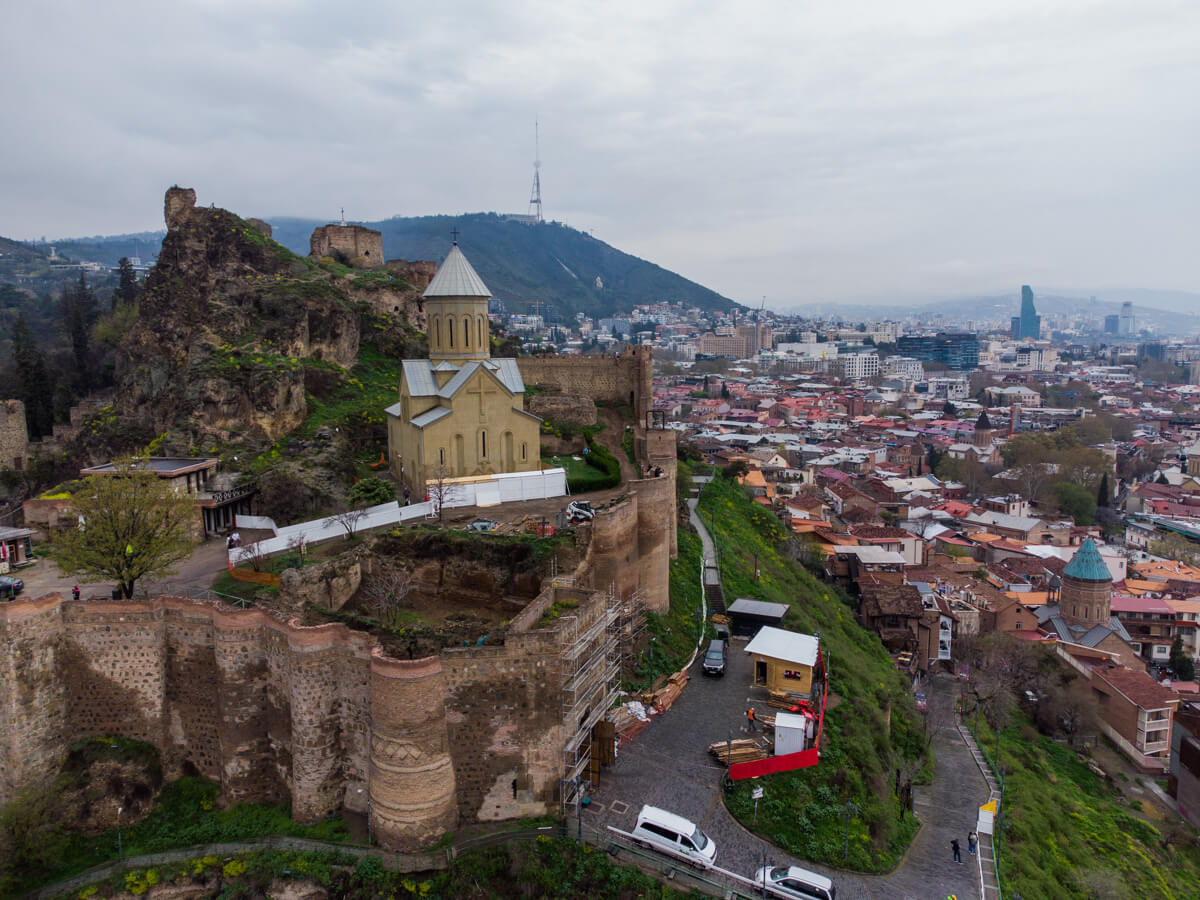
[441, 456]
[479, 322]
[450, 330]
[522, 450]
[437, 330]
[466, 332]
[483, 445]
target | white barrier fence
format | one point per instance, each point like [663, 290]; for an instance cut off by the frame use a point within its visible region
[492, 491]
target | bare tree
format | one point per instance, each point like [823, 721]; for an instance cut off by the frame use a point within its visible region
[349, 520]
[439, 490]
[385, 594]
[254, 555]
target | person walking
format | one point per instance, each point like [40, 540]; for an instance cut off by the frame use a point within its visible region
[75, 592]
[972, 842]
[957, 852]
[750, 719]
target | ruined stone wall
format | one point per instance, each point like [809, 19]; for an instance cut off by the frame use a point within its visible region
[271, 710]
[565, 409]
[14, 435]
[362, 246]
[612, 549]
[317, 716]
[627, 379]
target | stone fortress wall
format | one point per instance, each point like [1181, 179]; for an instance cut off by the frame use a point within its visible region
[624, 379]
[14, 435]
[362, 246]
[275, 711]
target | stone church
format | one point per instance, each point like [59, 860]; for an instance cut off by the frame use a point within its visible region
[460, 413]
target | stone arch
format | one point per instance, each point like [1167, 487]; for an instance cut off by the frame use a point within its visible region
[510, 464]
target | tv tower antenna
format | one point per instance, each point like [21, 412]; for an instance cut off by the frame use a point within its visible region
[535, 195]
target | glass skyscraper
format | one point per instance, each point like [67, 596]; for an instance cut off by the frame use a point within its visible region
[1028, 324]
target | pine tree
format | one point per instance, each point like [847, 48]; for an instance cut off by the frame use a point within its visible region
[33, 384]
[1182, 665]
[127, 289]
[1103, 496]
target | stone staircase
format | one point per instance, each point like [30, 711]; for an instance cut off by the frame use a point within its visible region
[988, 882]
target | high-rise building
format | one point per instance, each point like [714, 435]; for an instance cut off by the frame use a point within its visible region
[1112, 324]
[954, 350]
[1028, 325]
[1127, 324]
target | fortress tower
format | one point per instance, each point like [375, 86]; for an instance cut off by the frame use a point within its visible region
[1086, 588]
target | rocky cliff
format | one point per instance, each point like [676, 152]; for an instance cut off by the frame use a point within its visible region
[232, 324]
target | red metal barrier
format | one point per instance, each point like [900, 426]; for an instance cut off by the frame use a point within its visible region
[773, 764]
[789, 761]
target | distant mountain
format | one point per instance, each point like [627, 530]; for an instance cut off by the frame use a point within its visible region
[521, 263]
[109, 249]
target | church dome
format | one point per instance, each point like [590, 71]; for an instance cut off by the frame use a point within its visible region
[1087, 564]
[456, 277]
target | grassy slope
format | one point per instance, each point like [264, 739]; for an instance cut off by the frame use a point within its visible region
[1071, 835]
[803, 811]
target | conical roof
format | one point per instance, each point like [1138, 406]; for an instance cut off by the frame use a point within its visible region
[983, 421]
[456, 278]
[1087, 564]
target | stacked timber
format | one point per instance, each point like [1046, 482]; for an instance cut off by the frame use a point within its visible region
[662, 699]
[783, 700]
[739, 751]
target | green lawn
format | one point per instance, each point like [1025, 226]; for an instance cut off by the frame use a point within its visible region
[1070, 836]
[185, 813]
[874, 728]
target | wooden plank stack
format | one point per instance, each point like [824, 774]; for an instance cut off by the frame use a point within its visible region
[739, 751]
[662, 698]
[782, 700]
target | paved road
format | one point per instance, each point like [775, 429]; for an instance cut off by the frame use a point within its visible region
[667, 765]
[196, 574]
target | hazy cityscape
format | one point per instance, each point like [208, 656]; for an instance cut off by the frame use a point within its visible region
[641, 452]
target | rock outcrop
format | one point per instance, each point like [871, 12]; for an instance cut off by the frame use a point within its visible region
[230, 322]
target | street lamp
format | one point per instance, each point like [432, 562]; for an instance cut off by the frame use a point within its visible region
[851, 809]
[120, 843]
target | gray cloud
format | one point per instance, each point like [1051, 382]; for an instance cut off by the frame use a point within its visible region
[806, 152]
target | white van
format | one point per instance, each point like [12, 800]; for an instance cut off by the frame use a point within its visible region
[794, 883]
[675, 836]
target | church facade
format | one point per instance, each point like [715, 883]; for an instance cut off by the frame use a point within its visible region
[460, 413]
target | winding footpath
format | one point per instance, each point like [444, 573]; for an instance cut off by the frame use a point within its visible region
[667, 765]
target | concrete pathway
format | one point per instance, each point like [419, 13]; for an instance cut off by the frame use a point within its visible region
[988, 881]
[667, 765]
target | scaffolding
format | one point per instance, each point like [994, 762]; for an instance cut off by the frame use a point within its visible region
[591, 669]
[631, 628]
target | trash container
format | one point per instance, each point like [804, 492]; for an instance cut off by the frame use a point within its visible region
[116, 593]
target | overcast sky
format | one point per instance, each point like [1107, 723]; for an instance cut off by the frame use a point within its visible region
[801, 151]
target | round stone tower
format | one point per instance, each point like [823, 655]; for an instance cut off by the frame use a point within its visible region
[983, 430]
[456, 304]
[412, 783]
[1086, 597]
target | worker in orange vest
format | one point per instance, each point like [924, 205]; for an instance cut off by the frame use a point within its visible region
[750, 718]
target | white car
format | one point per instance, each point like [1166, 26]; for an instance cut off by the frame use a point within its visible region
[794, 883]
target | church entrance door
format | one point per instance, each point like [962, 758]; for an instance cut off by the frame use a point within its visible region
[460, 456]
[510, 462]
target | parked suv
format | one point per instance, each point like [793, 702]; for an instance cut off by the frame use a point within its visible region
[10, 586]
[714, 658]
[675, 836]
